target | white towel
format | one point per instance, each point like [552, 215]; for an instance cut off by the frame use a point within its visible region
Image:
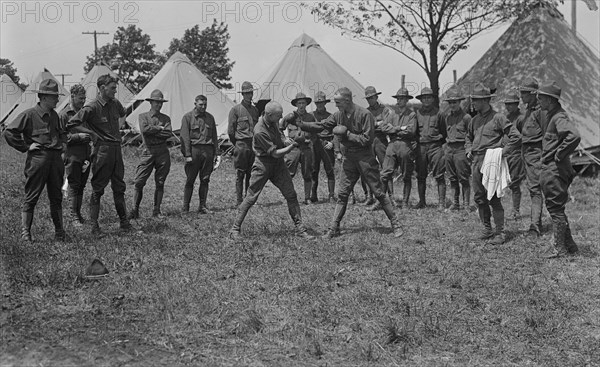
[496, 175]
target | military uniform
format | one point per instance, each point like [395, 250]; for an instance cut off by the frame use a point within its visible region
[430, 153]
[514, 159]
[44, 166]
[77, 159]
[242, 119]
[199, 141]
[301, 155]
[155, 128]
[321, 154]
[267, 139]
[401, 128]
[458, 166]
[102, 117]
[560, 141]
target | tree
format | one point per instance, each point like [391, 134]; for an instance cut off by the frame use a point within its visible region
[7, 67]
[207, 49]
[131, 56]
[427, 32]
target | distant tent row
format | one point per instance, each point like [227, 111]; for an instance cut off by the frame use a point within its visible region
[181, 81]
[543, 45]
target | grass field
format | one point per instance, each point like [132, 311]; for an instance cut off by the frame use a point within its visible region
[180, 293]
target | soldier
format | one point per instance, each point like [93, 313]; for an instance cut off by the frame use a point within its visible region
[77, 157]
[155, 128]
[354, 126]
[37, 132]
[323, 151]
[430, 153]
[486, 131]
[560, 141]
[242, 119]
[199, 146]
[380, 142]
[270, 146]
[401, 129]
[302, 154]
[531, 129]
[514, 158]
[458, 166]
[101, 119]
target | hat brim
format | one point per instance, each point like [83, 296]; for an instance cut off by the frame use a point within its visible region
[548, 94]
[511, 101]
[372, 95]
[403, 96]
[454, 99]
[47, 92]
[307, 99]
[420, 96]
[482, 97]
[323, 101]
[247, 90]
[156, 100]
[527, 89]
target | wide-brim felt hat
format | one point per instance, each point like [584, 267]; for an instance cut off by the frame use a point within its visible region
[403, 93]
[48, 86]
[300, 96]
[247, 87]
[453, 94]
[320, 97]
[481, 91]
[370, 91]
[425, 92]
[261, 104]
[550, 89]
[529, 85]
[511, 97]
[156, 96]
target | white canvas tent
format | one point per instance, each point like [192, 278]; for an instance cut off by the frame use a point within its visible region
[542, 44]
[181, 81]
[30, 99]
[124, 95]
[307, 68]
[11, 93]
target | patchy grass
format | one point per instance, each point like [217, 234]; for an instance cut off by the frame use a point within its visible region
[180, 293]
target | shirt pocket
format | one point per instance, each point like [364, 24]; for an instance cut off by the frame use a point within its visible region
[434, 127]
[531, 129]
[41, 135]
[243, 123]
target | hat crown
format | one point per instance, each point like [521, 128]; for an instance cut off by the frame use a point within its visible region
[426, 91]
[454, 94]
[247, 87]
[481, 91]
[156, 94]
[370, 91]
[320, 97]
[300, 95]
[49, 86]
[512, 96]
[551, 88]
[529, 84]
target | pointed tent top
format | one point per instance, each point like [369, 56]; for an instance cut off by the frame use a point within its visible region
[11, 93]
[5, 78]
[179, 57]
[304, 41]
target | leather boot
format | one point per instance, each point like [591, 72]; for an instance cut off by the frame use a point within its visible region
[187, 197]
[485, 217]
[313, 191]
[235, 231]
[57, 220]
[247, 182]
[239, 187]
[334, 229]
[307, 189]
[559, 248]
[203, 195]
[454, 185]
[26, 221]
[137, 199]
[158, 197]
[79, 204]
[516, 202]
[421, 187]
[466, 196]
[121, 208]
[406, 193]
[535, 228]
[331, 188]
[388, 209]
[94, 215]
[500, 235]
[390, 190]
[377, 205]
[441, 186]
[73, 217]
[296, 215]
[569, 241]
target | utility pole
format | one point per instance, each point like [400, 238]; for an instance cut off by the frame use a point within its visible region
[63, 77]
[95, 33]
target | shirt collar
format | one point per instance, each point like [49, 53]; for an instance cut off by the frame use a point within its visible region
[40, 110]
[101, 100]
[489, 112]
[458, 112]
[199, 114]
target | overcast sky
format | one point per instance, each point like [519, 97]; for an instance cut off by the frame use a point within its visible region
[35, 35]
